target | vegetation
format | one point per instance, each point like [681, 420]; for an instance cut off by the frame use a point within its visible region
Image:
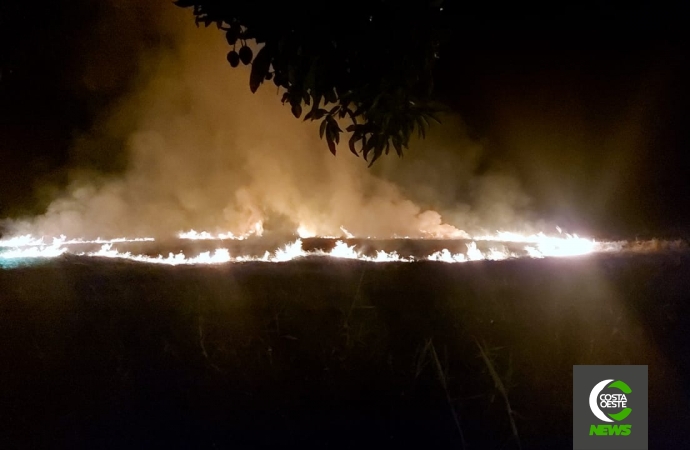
[337, 354]
[368, 63]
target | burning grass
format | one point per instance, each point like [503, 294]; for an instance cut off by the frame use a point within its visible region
[203, 248]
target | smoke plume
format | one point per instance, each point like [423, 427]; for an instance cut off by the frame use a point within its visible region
[205, 153]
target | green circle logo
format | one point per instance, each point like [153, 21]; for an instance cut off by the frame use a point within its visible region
[597, 400]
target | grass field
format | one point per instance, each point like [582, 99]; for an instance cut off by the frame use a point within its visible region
[333, 354]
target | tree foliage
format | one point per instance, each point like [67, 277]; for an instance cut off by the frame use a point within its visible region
[366, 62]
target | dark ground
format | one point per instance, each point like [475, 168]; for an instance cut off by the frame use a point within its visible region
[332, 354]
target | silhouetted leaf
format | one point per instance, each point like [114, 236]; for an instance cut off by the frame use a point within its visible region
[349, 112]
[260, 67]
[420, 127]
[330, 138]
[296, 110]
[397, 144]
[373, 160]
[407, 128]
[351, 144]
[322, 128]
[368, 146]
[437, 120]
[333, 124]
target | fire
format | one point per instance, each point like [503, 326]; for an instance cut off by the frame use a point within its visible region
[500, 246]
[28, 240]
[571, 245]
[34, 251]
[342, 250]
[256, 230]
[218, 257]
[287, 253]
[305, 232]
[445, 256]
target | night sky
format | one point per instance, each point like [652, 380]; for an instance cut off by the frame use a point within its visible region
[590, 108]
[596, 103]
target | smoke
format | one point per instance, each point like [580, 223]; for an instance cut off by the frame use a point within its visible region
[205, 153]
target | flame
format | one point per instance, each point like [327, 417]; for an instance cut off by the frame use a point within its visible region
[287, 253]
[256, 230]
[445, 256]
[218, 257]
[501, 246]
[28, 240]
[544, 246]
[33, 251]
[304, 232]
[342, 250]
[346, 233]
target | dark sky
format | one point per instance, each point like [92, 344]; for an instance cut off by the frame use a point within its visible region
[63, 63]
[589, 107]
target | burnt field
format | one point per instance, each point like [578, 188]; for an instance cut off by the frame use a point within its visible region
[320, 352]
